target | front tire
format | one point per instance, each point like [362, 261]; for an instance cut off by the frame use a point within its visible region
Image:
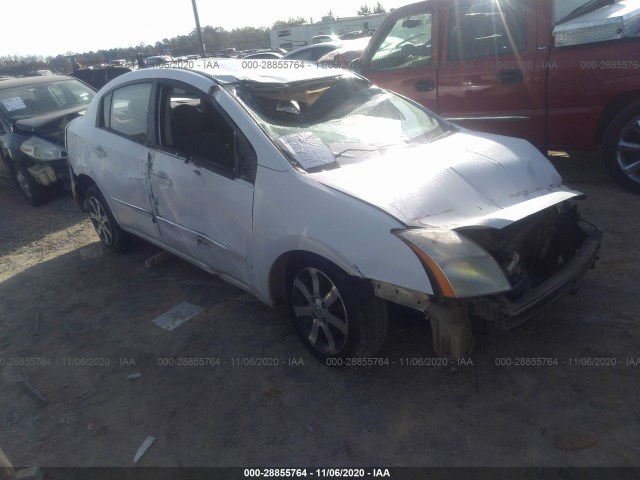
[621, 148]
[335, 315]
[104, 223]
[33, 192]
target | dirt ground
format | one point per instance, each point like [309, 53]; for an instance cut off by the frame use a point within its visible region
[95, 328]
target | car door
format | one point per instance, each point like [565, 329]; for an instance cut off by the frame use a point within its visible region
[120, 156]
[201, 174]
[404, 57]
[486, 79]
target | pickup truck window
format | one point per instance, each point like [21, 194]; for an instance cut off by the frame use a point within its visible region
[406, 45]
[481, 28]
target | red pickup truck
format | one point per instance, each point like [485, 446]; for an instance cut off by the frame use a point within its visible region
[563, 75]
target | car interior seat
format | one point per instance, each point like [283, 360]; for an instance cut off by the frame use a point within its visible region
[189, 136]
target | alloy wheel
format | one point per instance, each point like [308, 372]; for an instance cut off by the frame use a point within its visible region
[319, 311]
[628, 147]
[100, 221]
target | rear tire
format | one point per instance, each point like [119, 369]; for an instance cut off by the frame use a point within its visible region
[335, 315]
[108, 230]
[621, 148]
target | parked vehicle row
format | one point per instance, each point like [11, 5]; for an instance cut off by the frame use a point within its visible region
[317, 189]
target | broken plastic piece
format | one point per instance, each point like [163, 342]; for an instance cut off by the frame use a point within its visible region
[43, 174]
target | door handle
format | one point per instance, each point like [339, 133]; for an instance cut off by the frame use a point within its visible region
[162, 178]
[510, 76]
[99, 151]
[424, 85]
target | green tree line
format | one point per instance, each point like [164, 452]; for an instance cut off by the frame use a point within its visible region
[214, 39]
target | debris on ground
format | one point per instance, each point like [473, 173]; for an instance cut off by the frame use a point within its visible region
[36, 325]
[157, 259]
[33, 392]
[143, 448]
[177, 315]
[576, 441]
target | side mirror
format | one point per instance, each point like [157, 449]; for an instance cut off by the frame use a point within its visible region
[356, 65]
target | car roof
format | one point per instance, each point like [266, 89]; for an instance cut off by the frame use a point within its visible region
[19, 82]
[231, 70]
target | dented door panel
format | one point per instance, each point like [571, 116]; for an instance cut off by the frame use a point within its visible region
[203, 214]
[120, 167]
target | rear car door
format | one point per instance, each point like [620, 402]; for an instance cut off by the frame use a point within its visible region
[120, 156]
[486, 79]
[202, 175]
[403, 57]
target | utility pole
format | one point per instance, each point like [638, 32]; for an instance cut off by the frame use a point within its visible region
[195, 14]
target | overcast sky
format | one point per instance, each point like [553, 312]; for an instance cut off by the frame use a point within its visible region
[52, 27]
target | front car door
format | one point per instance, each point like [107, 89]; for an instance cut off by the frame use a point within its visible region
[120, 156]
[487, 76]
[403, 58]
[202, 174]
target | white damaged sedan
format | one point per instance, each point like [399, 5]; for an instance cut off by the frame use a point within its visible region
[316, 189]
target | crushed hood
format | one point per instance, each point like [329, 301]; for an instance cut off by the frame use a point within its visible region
[462, 180]
[50, 126]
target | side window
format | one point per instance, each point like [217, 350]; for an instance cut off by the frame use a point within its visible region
[192, 126]
[126, 110]
[407, 45]
[486, 28]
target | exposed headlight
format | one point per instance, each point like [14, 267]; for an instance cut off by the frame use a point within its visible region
[459, 267]
[41, 149]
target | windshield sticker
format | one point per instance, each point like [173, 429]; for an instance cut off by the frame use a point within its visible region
[308, 149]
[15, 103]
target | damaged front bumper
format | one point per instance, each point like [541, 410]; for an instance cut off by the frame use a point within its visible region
[508, 314]
[451, 318]
[49, 172]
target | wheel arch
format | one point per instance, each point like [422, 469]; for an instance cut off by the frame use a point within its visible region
[82, 183]
[280, 269]
[613, 108]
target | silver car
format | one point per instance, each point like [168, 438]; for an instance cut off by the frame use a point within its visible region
[314, 188]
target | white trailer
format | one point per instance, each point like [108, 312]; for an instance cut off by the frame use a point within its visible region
[291, 38]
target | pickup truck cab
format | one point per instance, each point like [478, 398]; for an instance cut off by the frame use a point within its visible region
[563, 75]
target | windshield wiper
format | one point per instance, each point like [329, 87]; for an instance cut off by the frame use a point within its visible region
[590, 6]
[339, 154]
[432, 136]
